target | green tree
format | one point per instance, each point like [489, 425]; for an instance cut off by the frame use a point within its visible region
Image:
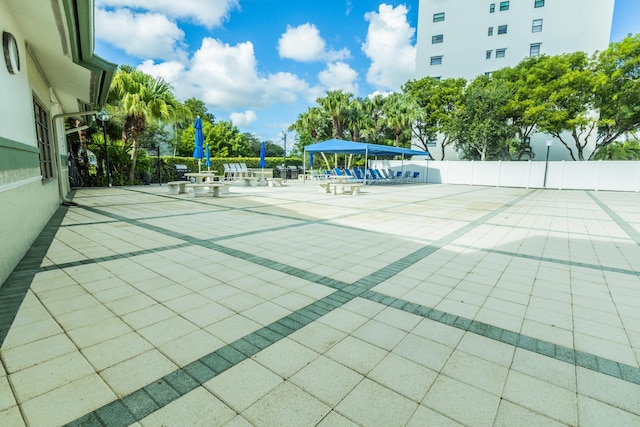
[336, 106]
[373, 108]
[400, 113]
[617, 91]
[629, 150]
[141, 99]
[438, 102]
[571, 104]
[481, 128]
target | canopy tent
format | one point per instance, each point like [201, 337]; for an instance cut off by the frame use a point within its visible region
[348, 147]
[337, 146]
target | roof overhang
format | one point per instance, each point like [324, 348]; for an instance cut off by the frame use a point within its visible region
[59, 35]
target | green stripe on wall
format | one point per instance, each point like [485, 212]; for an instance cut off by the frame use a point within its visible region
[16, 155]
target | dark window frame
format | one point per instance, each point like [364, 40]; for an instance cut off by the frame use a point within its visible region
[43, 137]
[438, 17]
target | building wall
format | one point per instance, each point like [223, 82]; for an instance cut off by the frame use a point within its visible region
[567, 26]
[26, 201]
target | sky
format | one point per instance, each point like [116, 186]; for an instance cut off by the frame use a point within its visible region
[260, 63]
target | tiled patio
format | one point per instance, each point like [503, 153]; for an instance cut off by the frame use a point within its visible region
[405, 305]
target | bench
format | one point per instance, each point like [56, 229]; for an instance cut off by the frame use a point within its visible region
[274, 182]
[250, 181]
[177, 187]
[214, 186]
[325, 187]
[352, 188]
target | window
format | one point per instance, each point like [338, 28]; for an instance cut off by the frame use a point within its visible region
[536, 26]
[44, 141]
[492, 7]
[438, 78]
[490, 31]
[488, 54]
[534, 49]
[437, 39]
[504, 5]
[502, 29]
[500, 53]
[436, 60]
[438, 17]
[487, 73]
[538, 3]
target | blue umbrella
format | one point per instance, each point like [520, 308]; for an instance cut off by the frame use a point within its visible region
[198, 152]
[208, 162]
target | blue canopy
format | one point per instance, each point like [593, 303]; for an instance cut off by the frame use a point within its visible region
[349, 147]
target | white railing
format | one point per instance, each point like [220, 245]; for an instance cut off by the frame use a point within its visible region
[562, 175]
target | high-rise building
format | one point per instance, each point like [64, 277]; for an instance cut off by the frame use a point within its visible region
[467, 38]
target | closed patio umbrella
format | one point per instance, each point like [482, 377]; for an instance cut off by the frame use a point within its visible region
[198, 152]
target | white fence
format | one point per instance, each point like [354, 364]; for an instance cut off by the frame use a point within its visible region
[561, 175]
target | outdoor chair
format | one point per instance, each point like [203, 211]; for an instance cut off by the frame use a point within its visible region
[227, 171]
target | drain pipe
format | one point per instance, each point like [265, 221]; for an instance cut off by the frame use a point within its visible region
[61, 189]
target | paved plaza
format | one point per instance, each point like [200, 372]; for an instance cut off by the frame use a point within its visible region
[405, 305]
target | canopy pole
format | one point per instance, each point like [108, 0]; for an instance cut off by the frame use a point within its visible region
[366, 164]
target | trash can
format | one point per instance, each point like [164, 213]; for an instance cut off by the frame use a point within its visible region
[282, 172]
[293, 172]
[180, 170]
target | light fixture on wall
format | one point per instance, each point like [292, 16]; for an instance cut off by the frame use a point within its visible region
[11, 52]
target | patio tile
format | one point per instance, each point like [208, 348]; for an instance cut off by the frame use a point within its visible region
[594, 413]
[196, 408]
[33, 353]
[243, 385]
[39, 379]
[116, 350]
[371, 404]
[356, 354]
[428, 417]
[286, 405]
[539, 396]
[285, 357]
[68, 402]
[148, 367]
[327, 380]
[461, 402]
[477, 372]
[167, 330]
[510, 414]
[403, 376]
[233, 328]
[190, 347]
[318, 337]
[609, 390]
[425, 352]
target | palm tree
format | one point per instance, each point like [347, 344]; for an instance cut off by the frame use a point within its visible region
[336, 106]
[399, 114]
[141, 98]
[374, 109]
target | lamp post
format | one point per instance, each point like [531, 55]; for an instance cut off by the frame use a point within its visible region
[104, 117]
[546, 165]
[284, 154]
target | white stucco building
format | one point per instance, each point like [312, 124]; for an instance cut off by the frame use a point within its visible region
[468, 38]
[48, 72]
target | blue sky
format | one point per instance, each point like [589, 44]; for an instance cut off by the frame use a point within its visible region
[259, 63]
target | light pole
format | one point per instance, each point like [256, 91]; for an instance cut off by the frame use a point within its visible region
[284, 155]
[104, 117]
[546, 165]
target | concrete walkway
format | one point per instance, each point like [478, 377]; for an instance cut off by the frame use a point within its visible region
[404, 305]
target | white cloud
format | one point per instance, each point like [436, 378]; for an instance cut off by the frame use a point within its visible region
[389, 46]
[145, 35]
[226, 78]
[203, 12]
[303, 43]
[243, 119]
[339, 76]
